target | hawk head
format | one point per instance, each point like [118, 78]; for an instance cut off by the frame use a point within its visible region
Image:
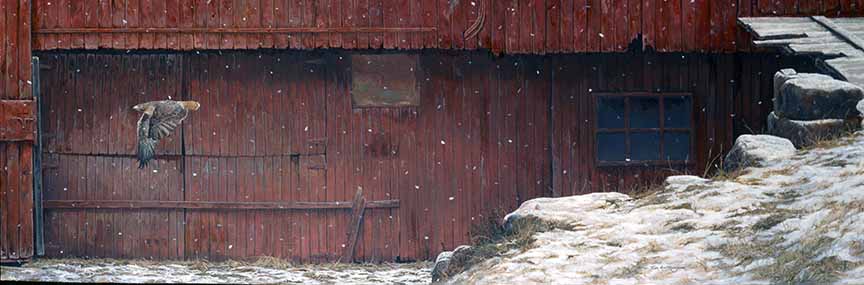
[190, 105]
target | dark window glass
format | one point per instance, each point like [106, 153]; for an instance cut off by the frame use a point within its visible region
[610, 112]
[677, 145]
[611, 146]
[677, 112]
[644, 112]
[645, 146]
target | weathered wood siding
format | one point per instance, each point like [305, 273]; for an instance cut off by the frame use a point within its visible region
[279, 127]
[17, 126]
[511, 26]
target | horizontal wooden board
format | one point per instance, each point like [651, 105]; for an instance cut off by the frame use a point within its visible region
[134, 204]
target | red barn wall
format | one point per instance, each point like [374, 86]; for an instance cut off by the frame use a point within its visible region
[489, 133]
[17, 129]
[511, 26]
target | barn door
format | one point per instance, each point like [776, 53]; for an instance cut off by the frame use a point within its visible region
[97, 202]
[255, 156]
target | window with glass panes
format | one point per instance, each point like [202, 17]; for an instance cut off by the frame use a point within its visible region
[644, 128]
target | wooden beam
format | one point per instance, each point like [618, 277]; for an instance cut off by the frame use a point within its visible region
[132, 204]
[236, 30]
[841, 32]
[17, 120]
[355, 226]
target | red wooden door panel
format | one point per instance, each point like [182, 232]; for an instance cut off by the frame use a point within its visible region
[89, 137]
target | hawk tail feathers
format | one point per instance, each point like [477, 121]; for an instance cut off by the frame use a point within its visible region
[146, 151]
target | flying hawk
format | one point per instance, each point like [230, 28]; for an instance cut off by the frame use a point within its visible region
[159, 118]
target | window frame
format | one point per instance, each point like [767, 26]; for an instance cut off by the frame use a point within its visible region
[626, 130]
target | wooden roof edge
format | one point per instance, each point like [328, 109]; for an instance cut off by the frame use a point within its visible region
[748, 22]
[840, 32]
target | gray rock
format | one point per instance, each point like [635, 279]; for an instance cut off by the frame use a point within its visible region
[806, 133]
[860, 108]
[754, 150]
[450, 263]
[815, 98]
[785, 74]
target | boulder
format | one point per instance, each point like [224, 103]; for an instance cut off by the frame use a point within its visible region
[816, 98]
[785, 74]
[806, 133]
[450, 263]
[754, 150]
[860, 108]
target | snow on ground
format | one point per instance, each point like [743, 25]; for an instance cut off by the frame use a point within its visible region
[799, 220]
[119, 271]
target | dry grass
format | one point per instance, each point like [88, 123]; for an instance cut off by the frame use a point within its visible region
[784, 172]
[841, 139]
[799, 263]
[490, 239]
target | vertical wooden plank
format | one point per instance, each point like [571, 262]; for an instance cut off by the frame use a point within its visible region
[50, 20]
[403, 10]
[458, 18]
[117, 14]
[171, 18]
[280, 20]
[3, 196]
[376, 19]
[649, 23]
[511, 28]
[267, 21]
[526, 26]
[553, 26]
[24, 53]
[253, 19]
[186, 18]
[307, 12]
[199, 14]
[363, 20]
[226, 20]
[430, 19]
[539, 23]
[390, 18]
[568, 24]
[676, 29]
[40, 15]
[12, 169]
[147, 18]
[10, 55]
[634, 15]
[594, 18]
[133, 8]
[90, 13]
[25, 199]
[215, 19]
[295, 18]
[443, 12]
[607, 28]
[497, 26]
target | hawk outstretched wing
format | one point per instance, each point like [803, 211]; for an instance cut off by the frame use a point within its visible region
[159, 119]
